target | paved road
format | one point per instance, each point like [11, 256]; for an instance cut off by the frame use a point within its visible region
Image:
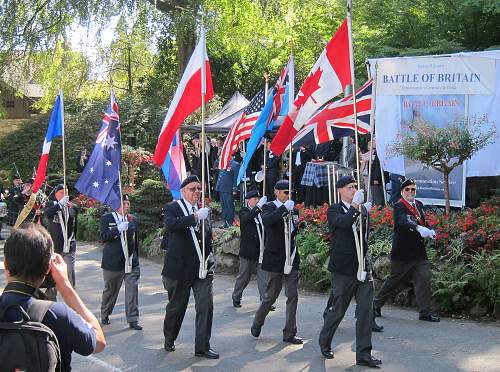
[406, 345]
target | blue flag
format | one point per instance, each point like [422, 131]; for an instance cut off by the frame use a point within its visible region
[100, 177]
[276, 105]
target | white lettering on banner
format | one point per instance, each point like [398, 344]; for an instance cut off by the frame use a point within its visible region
[436, 75]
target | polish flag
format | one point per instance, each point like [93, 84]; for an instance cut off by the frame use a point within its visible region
[55, 129]
[328, 78]
[195, 81]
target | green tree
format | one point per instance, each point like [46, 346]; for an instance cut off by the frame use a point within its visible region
[444, 148]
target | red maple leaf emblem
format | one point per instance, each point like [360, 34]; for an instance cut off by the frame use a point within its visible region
[310, 86]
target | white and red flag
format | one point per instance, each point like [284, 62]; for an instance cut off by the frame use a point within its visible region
[328, 78]
[55, 129]
[196, 80]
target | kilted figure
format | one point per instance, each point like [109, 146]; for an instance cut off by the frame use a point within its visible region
[280, 260]
[120, 262]
[251, 246]
[185, 267]
[351, 272]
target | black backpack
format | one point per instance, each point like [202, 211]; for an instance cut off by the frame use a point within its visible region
[28, 345]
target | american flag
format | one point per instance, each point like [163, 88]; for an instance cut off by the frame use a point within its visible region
[337, 119]
[242, 129]
[100, 177]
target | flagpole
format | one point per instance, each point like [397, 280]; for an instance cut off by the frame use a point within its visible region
[361, 263]
[203, 165]
[123, 234]
[291, 80]
[63, 144]
[266, 90]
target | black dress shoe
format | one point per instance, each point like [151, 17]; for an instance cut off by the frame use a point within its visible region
[135, 325]
[209, 354]
[169, 345]
[105, 321]
[327, 352]
[236, 303]
[377, 312]
[376, 327]
[294, 340]
[430, 318]
[272, 308]
[255, 331]
[370, 362]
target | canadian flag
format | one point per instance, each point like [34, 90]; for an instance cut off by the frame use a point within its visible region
[195, 81]
[329, 76]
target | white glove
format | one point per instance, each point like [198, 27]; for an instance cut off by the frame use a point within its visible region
[202, 213]
[122, 226]
[289, 204]
[359, 197]
[261, 202]
[368, 206]
[432, 234]
[64, 200]
[425, 232]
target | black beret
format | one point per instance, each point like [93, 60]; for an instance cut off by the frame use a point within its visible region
[29, 180]
[344, 181]
[252, 194]
[126, 197]
[59, 187]
[16, 177]
[188, 180]
[407, 182]
[281, 185]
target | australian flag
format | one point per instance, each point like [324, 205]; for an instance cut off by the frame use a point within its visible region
[100, 177]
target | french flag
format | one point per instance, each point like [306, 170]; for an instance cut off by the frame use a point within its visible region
[55, 129]
[174, 167]
[196, 80]
[329, 76]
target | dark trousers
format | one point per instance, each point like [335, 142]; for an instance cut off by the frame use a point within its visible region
[247, 267]
[343, 289]
[274, 284]
[178, 298]
[271, 178]
[112, 283]
[419, 272]
[227, 205]
[377, 193]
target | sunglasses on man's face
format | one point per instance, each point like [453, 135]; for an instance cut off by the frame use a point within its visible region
[193, 189]
[286, 192]
[410, 189]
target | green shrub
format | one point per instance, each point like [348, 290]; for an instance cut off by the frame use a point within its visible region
[89, 225]
[147, 203]
[314, 251]
[147, 245]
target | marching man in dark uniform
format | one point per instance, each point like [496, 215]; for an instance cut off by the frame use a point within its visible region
[408, 255]
[16, 200]
[350, 276]
[186, 268]
[251, 246]
[116, 267]
[61, 217]
[281, 261]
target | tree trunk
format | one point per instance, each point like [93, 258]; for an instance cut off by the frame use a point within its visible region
[129, 68]
[446, 175]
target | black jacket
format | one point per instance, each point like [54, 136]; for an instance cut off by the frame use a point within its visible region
[274, 251]
[54, 228]
[343, 256]
[112, 254]
[181, 260]
[407, 244]
[249, 239]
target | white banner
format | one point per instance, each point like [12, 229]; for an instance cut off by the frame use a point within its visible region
[389, 112]
[436, 75]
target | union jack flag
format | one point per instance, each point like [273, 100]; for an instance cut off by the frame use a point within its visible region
[337, 119]
[241, 129]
